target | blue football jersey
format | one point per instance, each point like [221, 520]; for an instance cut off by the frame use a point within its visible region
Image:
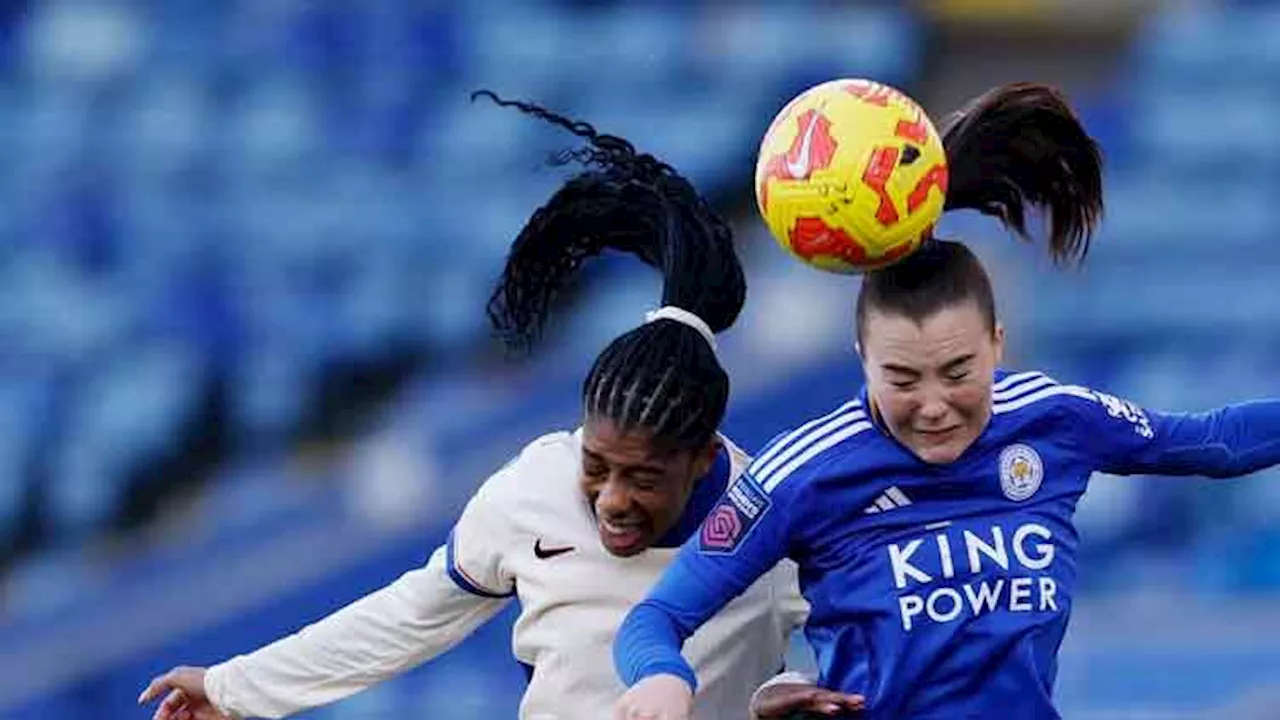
[937, 591]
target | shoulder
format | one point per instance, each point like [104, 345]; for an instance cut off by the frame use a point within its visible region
[548, 462]
[822, 445]
[1093, 422]
[1033, 398]
[1033, 394]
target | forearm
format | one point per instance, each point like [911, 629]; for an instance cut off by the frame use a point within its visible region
[1229, 442]
[649, 643]
[421, 615]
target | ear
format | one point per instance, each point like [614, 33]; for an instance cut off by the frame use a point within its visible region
[999, 343]
[704, 457]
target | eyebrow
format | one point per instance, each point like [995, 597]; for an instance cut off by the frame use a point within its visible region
[637, 467]
[949, 365]
[957, 362]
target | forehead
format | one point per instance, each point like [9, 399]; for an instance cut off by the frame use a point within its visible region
[952, 332]
[603, 437]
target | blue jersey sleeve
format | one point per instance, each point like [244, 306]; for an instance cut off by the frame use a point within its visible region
[1125, 439]
[743, 536]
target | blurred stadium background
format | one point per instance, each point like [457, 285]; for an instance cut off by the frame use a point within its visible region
[245, 249]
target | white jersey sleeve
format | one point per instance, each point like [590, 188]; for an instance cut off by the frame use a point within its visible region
[421, 615]
[482, 539]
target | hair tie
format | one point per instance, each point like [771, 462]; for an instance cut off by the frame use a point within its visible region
[684, 317]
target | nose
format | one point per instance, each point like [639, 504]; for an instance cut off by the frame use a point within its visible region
[614, 500]
[933, 407]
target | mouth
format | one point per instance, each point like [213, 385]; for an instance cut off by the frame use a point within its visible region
[621, 535]
[939, 434]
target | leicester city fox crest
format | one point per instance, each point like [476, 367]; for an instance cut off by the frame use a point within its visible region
[1021, 472]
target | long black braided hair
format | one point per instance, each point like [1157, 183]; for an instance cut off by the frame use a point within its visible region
[663, 377]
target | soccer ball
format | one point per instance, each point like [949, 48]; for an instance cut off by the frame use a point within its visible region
[852, 176]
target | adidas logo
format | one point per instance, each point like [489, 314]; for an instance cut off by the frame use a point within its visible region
[888, 500]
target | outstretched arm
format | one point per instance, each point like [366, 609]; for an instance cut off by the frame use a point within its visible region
[416, 618]
[421, 615]
[1228, 442]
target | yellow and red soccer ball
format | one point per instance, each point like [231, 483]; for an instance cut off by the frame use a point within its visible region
[852, 176]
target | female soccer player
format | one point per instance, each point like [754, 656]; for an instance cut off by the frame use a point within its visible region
[582, 523]
[931, 516]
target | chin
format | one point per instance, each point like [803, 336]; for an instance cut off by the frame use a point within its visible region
[940, 454]
[627, 551]
[625, 547]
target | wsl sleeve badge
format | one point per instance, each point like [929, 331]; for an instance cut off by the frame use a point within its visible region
[733, 517]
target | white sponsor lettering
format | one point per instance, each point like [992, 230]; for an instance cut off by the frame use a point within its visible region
[922, 561]
[944, 550]
[995, 551]
[899, 559]
[1019, 594]
[986, 597]
[909, 606]
[1045, 550]
[1048, 588]
[953, 601]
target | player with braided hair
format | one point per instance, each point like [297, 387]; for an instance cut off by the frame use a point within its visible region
[580, 524]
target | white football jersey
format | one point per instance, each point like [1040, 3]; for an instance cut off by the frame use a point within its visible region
[529, 533]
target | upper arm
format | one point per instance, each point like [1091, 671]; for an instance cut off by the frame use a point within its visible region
[1115, 434]
[419, 616]
[1125, 439]
[739, 540]
[743, 537]
[480, 540]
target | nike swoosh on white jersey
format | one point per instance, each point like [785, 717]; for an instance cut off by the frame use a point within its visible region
[800, 169]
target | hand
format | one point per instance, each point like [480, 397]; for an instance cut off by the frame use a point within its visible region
[185, 700]
[787, 699]
[657, 697]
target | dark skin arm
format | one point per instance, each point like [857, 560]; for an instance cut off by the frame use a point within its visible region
[797, 701]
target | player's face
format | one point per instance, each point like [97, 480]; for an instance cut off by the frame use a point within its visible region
[931, 381]
[636, 489]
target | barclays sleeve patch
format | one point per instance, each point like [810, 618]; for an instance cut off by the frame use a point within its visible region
[733, 517]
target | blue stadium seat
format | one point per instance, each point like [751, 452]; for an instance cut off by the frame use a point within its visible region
[1220, 130]
[1197, 45]
[760, 45]
[27, 397]
[269, 390]
[1149, 213]
[128, 410]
